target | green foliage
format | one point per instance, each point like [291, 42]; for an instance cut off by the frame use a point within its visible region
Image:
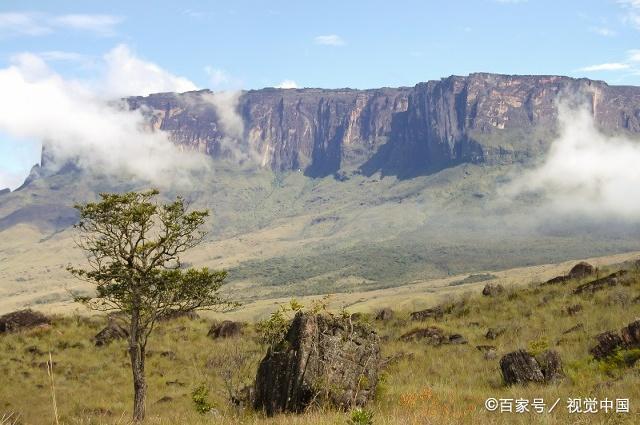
[538, 346]
[272, 331]
[134, 246]
[620, 360]
[200, 397]
[360, 416]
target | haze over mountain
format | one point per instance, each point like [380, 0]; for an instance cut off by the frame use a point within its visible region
[316, 190]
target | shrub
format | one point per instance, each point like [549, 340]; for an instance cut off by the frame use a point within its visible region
[360, 417]
[200, 397]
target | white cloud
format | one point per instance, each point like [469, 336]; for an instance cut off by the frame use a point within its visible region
[329, 40]
[78, 124]
[17, 23]
[613, 66]
[99, 24]
[287, 84]
[586, 171]
[36, 24]
[632, 8]
[128, 75]
[603, 31]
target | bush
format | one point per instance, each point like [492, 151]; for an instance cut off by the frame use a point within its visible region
[200, 397]
[361, 417]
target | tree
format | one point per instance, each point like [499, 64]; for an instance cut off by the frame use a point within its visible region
[133, 246]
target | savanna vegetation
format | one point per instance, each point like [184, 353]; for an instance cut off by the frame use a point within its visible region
[193, 378]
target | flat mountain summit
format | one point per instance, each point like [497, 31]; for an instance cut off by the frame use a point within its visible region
[315, 190]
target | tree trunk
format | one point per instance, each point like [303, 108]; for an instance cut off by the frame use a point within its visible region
[137, 354]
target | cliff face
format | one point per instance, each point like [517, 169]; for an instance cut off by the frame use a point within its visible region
[482, 118]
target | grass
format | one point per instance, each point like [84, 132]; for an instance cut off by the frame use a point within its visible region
[434, 385]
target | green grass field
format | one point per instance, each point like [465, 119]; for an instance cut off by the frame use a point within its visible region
[433, 385]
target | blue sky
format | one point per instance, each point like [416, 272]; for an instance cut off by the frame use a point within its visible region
[227, 45]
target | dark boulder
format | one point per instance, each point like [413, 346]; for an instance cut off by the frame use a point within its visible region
[489, 352]
[22, 319]
[384, 314]
[226, 329]
[457, 339]
[557, 279]
[429, 313]
[322, 358]
[613, 279]
[608, 343]
[111, 332]
[631, 334]
[431, 335]
[492, 290]
[493, 333]
[520, 367]
[551, 365]
[581, 270]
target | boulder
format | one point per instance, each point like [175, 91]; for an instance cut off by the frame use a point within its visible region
[385, 314]
[557, 279]
[492, 290]
[429, 313]
[111, 332]
[580, 270]
[631, 334]
[322, 358]
[520, 367]
[22, 319]
[489, 352]
[608, 343]
[493, 333]
[551, 365]
[431, 335]
[611, 280]
[226, 329]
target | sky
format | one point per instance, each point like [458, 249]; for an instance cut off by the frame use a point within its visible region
[101, 50]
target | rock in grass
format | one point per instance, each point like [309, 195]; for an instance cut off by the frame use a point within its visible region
[610, 342]
[226, 329]
[429, 313]
[111, 332]
[520, 367]
[385, 314]
[596, 285]
[322, 358]
[493, 333]
[492, 290]
[551, 365]
[580, 270]
[22, 319]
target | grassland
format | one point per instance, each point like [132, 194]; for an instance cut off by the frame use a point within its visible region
[432, 385]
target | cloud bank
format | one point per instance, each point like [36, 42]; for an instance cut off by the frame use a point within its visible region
[586, 172]
[79, 120]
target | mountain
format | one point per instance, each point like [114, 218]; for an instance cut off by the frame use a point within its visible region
[353, 189]
[480, 119]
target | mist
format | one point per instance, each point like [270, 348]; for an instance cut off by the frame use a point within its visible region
[585, 173]
[82, 121]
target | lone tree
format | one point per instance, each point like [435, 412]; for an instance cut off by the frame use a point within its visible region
[133, 246]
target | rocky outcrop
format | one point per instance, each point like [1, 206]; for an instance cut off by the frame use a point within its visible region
[610, 342]
[433, 335]
[613, 279]
[480, 118]
[226, 329]
[322, 358]
[385, 314]
[520, 367]
[113, 331]
[579, 271]
[492, 290]
[429, 313]
[21, 320]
